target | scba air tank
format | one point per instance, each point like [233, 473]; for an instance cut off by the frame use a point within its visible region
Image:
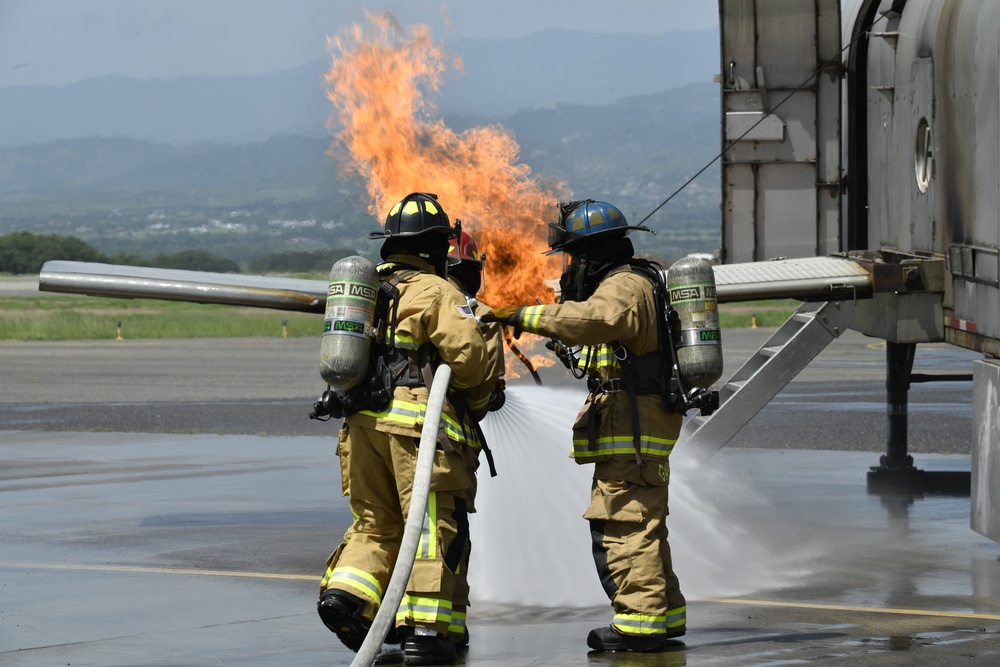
[347, 327]
[691, 286]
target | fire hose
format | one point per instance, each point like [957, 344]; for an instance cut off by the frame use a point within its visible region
[386, 615]
[508, 338]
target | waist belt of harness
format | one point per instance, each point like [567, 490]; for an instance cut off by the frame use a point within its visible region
[643, 385]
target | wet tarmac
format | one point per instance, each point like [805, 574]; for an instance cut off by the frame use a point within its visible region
[125, 547]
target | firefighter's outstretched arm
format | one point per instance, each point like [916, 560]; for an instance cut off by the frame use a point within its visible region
[508, 316]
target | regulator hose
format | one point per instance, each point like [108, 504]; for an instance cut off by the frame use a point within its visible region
[520, 355]
[386, 616]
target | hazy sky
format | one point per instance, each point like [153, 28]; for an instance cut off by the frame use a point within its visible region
[55, 42]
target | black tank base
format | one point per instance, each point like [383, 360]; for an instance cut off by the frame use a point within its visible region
[914, 482]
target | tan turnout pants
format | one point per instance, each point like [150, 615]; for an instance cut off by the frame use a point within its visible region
[627, 516]
[381, 472]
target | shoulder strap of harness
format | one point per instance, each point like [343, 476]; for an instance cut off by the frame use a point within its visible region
[649, 270]
[418, 366]
[628, 379]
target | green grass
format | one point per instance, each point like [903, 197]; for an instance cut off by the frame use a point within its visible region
[759, 313]
[68, 317]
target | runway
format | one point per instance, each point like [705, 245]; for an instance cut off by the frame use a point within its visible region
[166, 503]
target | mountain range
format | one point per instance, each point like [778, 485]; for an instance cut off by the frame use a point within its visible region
[500, 77]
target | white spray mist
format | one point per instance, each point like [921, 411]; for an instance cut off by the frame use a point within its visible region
[531, 545]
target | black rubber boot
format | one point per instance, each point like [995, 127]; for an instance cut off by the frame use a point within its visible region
[342, 614]
[461, 641]
[424, 649]
[610, 639]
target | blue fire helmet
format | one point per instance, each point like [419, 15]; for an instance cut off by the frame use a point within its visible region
[581, 221]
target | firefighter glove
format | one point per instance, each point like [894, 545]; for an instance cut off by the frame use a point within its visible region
[501, 315]
[561, 352]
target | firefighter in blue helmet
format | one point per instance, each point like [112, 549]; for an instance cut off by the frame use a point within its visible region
[625, 429]
[433, 325]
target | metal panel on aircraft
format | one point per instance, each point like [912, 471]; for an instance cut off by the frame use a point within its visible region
[138, 282]
[781, 112]
[785, 204]
[987, 206]
[985, 517]
[739, 236]
[805, 278]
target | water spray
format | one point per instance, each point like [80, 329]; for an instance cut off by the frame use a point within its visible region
[532, 547]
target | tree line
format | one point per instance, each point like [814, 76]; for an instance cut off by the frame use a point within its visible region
[25, 253]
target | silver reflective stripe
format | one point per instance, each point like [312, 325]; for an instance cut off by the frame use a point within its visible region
[358, 582]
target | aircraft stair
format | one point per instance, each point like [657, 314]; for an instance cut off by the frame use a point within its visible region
[812, 327]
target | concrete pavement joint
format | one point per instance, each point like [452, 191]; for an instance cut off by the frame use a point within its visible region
[158, 570]
[299, 577]
[873, 610]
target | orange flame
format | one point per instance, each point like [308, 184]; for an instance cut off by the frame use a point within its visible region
[380, 82]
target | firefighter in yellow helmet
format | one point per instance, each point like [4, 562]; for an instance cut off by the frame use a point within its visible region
[465, 271]
[433, 324]
[607, 304]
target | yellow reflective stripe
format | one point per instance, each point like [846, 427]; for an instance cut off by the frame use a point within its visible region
[458, 385]
[479, 403]
[404, 342]
[401, 412]
[622, 444]
[455, 432]
[359, 580]
[427, 610]
[636, 624]
[645, 624]
[530, 317]
[600, 356]
[457, 626]
[597, 356]
[427, 548]
[677, 617]
[411, 414]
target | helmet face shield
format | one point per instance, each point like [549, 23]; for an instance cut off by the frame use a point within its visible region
[462, 248]
[571, 282]
[557, 235]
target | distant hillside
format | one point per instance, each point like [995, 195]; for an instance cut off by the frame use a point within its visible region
[187, 109]
[554, 67]
[501, 77]
[219, 171]
[249, 199]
